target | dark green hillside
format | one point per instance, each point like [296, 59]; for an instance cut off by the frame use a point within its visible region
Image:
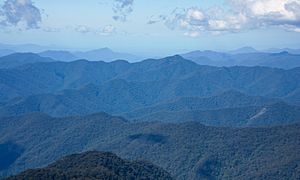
[95, 165]
[187, 150]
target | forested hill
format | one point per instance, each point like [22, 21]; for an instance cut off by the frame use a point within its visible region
[95, 165]
[186, 150]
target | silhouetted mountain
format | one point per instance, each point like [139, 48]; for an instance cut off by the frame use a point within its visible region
[211, 58]
[188, 150]
[59, 55]
[105, 54]
[95, 165]
[278, 50]
[243, 50]
[19, 59]
[283, 60]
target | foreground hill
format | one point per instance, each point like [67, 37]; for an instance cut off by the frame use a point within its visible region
[187, 150]
[95, 165]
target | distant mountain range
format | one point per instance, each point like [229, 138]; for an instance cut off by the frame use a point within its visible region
[278, 50]
[248, 49]
[285, 58]
[95, 165]
[186, 150]
[155, 80]
[146, 90]
[195, 121]
[105, 54]
[25, 48]
[244, 50]
[245, 57]
[102, 54]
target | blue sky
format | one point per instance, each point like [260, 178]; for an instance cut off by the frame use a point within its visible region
[152, 27]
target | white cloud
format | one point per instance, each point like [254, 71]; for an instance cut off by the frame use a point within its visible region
[104, 31]
[83, 29]
[122, 8]
[192, 34]
[20, 12]
[51, 29]
[108, 30]
[195, 15]
[296, 30]
[239, 15]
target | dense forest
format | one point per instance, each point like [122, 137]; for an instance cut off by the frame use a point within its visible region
[95, 165]
[185, 150]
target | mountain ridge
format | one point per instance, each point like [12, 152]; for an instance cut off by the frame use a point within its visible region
[19, 59]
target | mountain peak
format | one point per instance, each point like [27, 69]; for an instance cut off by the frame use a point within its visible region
[175, 57]
[243, 50]
[105, 49]
[284, 52]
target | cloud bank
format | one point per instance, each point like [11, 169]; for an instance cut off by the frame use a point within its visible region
[16, 12]
[122, 8]
[240, 15]
[104, 31]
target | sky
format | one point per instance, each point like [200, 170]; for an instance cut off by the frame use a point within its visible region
[151, 27]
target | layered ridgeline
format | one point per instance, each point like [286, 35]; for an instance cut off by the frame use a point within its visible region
[245, 57]
[267, 115]
[226, 109]
[157, 79]
[19, 59]
[103, 54]
[154, 90]
[186, 150]
[95, 165]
